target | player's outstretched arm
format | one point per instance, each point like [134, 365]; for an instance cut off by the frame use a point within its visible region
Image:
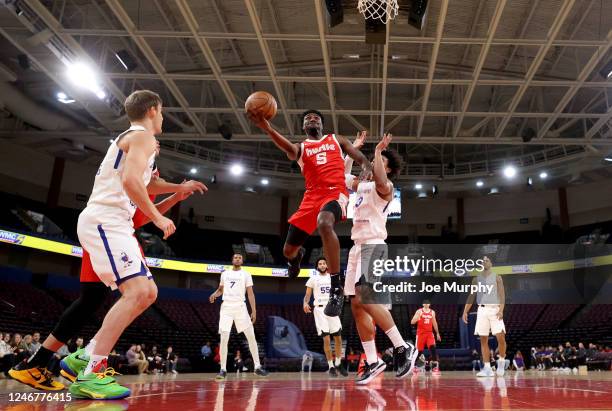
[161, 186]
[356, 155]
[306, 304]
[291, 149]
[251, 297]
[140, 149]
[163, 207]
[383, 185]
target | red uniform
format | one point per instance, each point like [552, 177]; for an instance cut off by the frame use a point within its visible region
[425, 336]
[88, 275]
[323, 169]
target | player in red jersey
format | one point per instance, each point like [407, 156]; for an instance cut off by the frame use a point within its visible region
[93, 294]
[326, 197]
[425, 318]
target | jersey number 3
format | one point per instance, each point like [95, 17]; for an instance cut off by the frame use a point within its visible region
[321, 158]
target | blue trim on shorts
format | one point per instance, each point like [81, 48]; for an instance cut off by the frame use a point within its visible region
[118, 159]
[143, 271]
[108, 251]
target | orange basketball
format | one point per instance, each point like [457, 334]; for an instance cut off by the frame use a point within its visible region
[261, 102]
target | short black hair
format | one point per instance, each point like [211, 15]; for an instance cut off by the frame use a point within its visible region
[426, 301]
[394, 162]
[317, 112]
[319, 259]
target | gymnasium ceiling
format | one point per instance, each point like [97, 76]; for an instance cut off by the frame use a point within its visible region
[458, 95]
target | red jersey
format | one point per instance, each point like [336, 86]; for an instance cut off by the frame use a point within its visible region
[425, 324]
[322, 164]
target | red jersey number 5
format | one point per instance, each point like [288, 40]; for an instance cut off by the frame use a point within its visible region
[321, 158]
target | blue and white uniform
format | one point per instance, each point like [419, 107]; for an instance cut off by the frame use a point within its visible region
[321, 285]
[105, 226]
[233, 308]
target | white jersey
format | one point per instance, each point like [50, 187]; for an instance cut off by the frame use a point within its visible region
[108, 193]
[370, 214]
[321, 285]
[235, 284]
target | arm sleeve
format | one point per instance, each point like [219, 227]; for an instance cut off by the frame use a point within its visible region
[249, 280]
[222, 279]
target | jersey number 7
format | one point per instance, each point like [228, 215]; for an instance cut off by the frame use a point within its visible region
[233, 282]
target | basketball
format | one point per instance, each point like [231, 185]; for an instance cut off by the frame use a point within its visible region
[261, 102]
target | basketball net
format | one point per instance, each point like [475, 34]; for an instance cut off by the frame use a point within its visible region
[382, 10]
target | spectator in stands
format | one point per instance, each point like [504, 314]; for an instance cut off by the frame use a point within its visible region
[592, 351]
[557, 358]
[6, 354]
[133, 358]
[170, 361]
[518, 361]
[25, 347]
[114, 359]
[155, 360]
[206, 351]
[475, 360]
[78, 344]
[142, 358]
[54, 362]
[570, 356]
[534, 358]
[581, 354]
[238, 362]
[307, 361]
[35, 342]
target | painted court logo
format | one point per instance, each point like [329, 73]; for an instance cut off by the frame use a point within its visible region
[13, 238]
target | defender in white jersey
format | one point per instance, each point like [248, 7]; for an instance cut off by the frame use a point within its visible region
[105, 231]
[233, 285]
[319, 283]
[489, 318]
[369, 233]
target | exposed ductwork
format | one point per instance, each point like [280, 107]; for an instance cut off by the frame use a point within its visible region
[24, 107]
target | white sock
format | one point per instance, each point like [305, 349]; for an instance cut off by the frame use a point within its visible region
[90, 347]
[223, 350]
[338, 361]
[94, 360]
[250, 336]
[369, 347]
[330, 363]
[487, 365]
[395, 337]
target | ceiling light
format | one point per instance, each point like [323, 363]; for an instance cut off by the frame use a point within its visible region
[265, 181]
[608, 158]
[510, 171]
[529, 181]
[422, 195]
[193, 170]
[479, 183]
[63, 98]
[236, 169]
[543, 175]
[418, 186]
[350, 56]
[84, 76]
[494, 190]
[126, 60]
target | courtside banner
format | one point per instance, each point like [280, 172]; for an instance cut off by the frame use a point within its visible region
[59, 247]
[501, 274]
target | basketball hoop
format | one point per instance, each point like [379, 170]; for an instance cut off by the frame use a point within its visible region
[382, 10]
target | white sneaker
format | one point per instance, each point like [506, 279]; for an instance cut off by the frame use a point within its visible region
[501, 367]
[174, 372]
[486, 372]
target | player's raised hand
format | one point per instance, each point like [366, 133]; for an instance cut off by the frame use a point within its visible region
[166, 225]
[192, 186]
[253, 316]
[360, 139]
[384, 142]
[259, 120]
[307, 308]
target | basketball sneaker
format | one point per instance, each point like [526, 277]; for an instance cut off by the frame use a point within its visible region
[342, 370]
[332, 372]
[261, 371]
[501, 367]
[293, 266]
[98, 385]
[221, 376]
[403, 360]
[486, 372]
[435, 371]
[36, 377]
[73, 364]
[370, 371]
[336, 297]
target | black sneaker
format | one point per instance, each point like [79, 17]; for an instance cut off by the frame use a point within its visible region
[403, 359]
[333, 372]
[335, 303]
[221, 376]
[293, 266]
[370, 372]
[262, 372]
[342, 370]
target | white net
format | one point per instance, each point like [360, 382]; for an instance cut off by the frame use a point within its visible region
[383, 10]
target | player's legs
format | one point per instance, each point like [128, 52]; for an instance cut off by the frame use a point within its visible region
[486, 371]
[367, 331]
[326, 220]
[250, 336]
[293, 251]
[328, 354]
[338, 351]
[501, 361]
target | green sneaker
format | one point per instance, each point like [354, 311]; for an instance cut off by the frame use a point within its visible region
[73, 364]
[98, 386]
